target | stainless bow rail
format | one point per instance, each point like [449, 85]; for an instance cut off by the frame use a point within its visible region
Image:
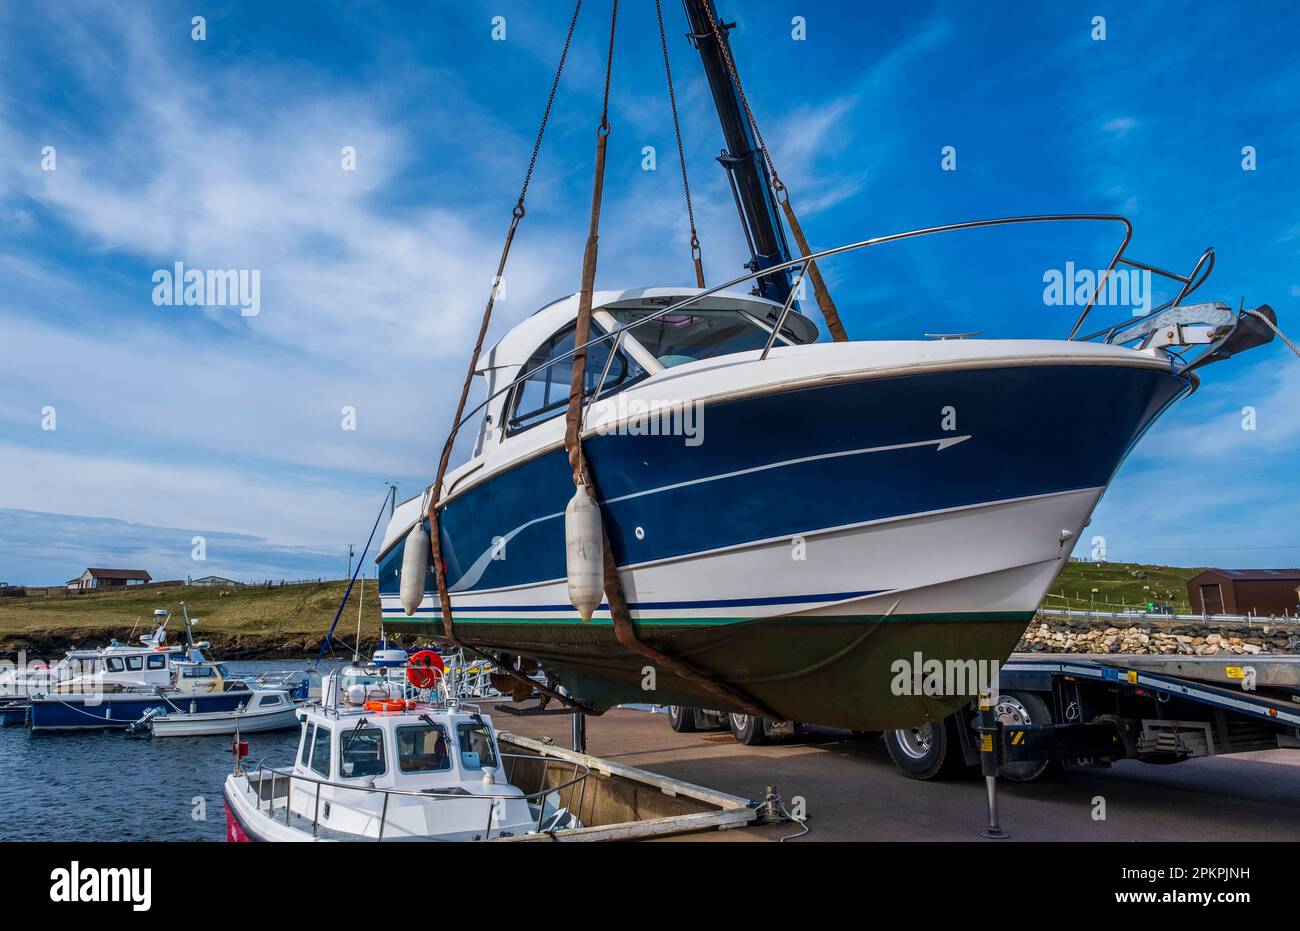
[576, 784]
[1200, 272]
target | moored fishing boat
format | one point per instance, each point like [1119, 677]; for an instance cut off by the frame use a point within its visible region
[378, 760]
[122, 684]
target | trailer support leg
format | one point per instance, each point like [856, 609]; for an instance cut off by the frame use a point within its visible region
[579, 732]
[989, 743]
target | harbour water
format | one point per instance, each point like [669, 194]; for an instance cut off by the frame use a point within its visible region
[108, 786]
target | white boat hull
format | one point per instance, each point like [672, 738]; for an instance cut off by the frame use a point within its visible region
[246, 722]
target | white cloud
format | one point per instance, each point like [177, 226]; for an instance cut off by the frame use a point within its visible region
[283, 508]
[1120, 126]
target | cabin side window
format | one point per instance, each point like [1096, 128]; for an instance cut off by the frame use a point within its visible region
[135, 663]
[157, 661]
[546, 393]
[476, 749]
[114, 664]
[320, 751]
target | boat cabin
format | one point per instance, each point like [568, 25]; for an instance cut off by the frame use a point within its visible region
[522, 420]
[721, 324]
[428, 770]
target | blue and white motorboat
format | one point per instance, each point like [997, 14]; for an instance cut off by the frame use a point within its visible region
[790, 520]
[121, 684]
[849, 506]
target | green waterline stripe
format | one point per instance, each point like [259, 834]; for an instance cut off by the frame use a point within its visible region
[534, 621]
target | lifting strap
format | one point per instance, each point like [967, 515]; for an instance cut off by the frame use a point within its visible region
[621, 615]
[435, 537]
[829, 312]
[696, 254]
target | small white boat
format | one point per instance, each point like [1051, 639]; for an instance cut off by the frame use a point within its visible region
[264, 710]
[382, 760]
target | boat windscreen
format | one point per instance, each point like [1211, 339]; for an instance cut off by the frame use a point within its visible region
[422, 748]
[674, 339]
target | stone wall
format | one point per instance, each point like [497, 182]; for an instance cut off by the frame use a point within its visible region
[1101, 636]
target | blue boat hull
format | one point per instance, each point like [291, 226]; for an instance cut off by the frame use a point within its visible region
[119, 710]
[935, 510]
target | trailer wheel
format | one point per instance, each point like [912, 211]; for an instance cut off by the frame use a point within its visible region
[748, 729]
[682, 720]
[926, 751]
[1022, 708]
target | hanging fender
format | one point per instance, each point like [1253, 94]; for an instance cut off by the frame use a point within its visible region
[584, 552]
[415, 567]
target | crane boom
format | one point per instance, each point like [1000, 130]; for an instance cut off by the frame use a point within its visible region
[755, 202]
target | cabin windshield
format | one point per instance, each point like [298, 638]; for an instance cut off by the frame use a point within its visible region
[361, 753]
[675, 339]
[422, 748]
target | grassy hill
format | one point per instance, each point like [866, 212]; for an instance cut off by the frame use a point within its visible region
[293, 619]
[1119, 584]
[289, 615]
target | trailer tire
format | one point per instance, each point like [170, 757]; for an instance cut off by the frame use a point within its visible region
[926, 751]
[1023, 708]
[748, 729]
[682, 719]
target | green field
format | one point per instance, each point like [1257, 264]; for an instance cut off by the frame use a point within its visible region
[1119, 584]
[303, 612]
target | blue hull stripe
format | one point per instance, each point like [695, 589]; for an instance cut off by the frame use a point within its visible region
[785, 464]
[665, 605]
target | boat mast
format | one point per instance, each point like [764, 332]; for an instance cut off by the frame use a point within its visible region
[746, 172]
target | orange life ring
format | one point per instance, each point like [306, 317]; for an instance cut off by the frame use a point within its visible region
[388, 704]
[424, 669]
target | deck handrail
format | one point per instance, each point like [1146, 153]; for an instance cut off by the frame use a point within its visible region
[1190, 283]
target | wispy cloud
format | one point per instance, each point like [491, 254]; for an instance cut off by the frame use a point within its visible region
[1120, 126]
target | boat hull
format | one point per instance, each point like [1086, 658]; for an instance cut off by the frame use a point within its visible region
[817, 549]
[122, 709]
[13, 714]
[198, 725]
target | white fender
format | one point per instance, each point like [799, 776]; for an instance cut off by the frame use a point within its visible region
[585, 553]
[415, 566]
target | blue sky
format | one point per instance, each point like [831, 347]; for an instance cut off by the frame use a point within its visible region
[173, 422]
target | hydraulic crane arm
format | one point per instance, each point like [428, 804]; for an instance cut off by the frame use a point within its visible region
[759, 214]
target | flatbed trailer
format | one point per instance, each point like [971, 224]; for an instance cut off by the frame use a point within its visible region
[1080, 711]
[1077, 711]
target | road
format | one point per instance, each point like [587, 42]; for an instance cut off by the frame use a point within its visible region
[853, 792]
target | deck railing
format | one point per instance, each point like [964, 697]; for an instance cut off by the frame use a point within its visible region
[576, 785]
[1190, 283]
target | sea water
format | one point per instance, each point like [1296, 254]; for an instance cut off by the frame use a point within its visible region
[109, 786]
